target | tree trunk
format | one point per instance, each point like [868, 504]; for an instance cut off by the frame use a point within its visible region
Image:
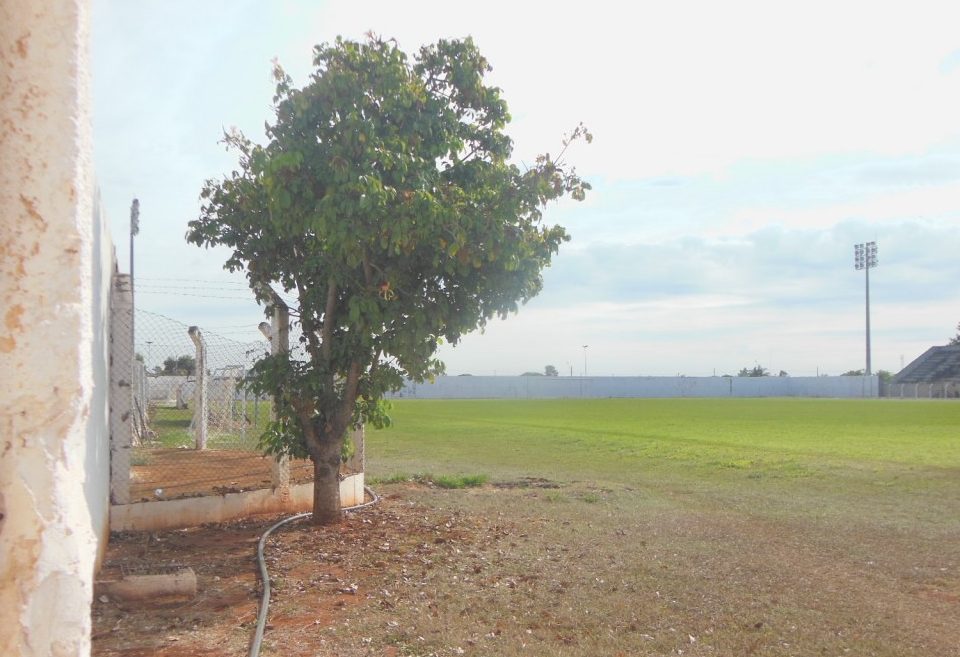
[326, 482]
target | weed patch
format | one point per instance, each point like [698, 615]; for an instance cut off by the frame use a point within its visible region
[440, 481]
[460, 481]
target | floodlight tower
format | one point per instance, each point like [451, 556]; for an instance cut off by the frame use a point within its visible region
[865, 258]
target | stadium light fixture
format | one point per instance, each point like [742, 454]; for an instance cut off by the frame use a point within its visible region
[865, 258]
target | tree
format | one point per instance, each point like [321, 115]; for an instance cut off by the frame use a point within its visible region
[756, 370]
[955, 340]
[550, 370]
[182, 365]
[384, 200]
[853, 373]
[532, 374]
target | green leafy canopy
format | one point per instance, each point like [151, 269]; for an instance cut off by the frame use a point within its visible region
[385, 201]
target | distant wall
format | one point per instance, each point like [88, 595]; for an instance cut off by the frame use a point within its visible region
[549, 387]
[163, 388]
[52, 396]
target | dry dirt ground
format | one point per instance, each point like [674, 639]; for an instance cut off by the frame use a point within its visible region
[531, 569]
[190, 472]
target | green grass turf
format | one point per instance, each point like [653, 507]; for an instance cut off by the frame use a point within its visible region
[848, 457]
[171, 427]
[604, 433]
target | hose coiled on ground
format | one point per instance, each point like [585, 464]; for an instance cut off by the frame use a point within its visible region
[265, 576]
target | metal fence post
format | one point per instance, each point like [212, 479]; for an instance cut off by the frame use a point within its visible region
[200, 393]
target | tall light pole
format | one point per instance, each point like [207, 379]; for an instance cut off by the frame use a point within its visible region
[585, 359]
[146, 376]
[134, 230]
[865, 258]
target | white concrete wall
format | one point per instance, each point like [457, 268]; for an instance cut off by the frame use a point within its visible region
[163, 388]
[193, 511]
[51, 400]
[551, 387]
[96, 487]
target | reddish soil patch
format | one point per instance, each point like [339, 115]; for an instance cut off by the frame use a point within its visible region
[573, 571]
[214, 623]
[315, 574]
[190, 473]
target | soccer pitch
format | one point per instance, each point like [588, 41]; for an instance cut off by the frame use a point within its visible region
[610, 435]
[778, 526]
[848, 456]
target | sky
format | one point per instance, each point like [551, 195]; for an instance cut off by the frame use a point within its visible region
[740, 150]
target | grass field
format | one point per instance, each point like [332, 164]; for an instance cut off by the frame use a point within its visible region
[607, 435]
[171, 426]
[840, 457]
[774, 526]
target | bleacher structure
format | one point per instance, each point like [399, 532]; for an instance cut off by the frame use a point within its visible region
[936, 373]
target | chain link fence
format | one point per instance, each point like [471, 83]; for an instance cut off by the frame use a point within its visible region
[195, 426]
[184, 368]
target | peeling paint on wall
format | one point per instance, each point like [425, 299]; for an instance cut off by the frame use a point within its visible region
[48, 541]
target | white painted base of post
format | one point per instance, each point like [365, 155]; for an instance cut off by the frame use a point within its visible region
[280, 476]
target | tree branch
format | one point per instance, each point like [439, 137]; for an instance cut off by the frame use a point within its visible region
[327, 335]
[309, 326]
[367, 270]
[349, 398]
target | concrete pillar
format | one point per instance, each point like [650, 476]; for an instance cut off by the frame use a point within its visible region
[201, 413]
[48, 545]
[280, 343]
[121, 391]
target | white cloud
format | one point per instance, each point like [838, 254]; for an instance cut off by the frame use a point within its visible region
[741, 149]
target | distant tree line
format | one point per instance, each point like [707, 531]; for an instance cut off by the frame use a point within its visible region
[549, 370]
[758, 370]
[180, 365]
